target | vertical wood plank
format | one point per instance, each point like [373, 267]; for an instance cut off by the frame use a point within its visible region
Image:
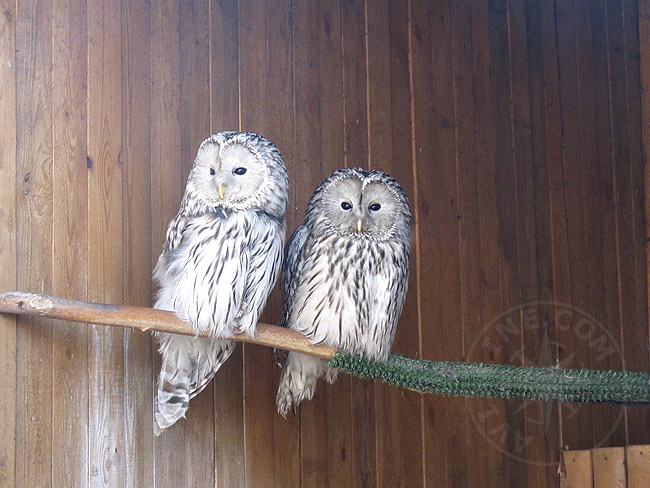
[636, 335]
[224, 112]
[609, 467]
[195, 127]
[637, 462]
[507, 436]
[34, 240]
[604, 419]
[304, 176]
[550, 189]
[612, 432]
[465, 82]
[280, 94]
[528, 436]
[8, 238]
[576, 470]
[105, 242]
[259, 405]
[325, 421]
[482, 292]
[544, 100]
[438, 276]
[252, 66]
[399, 438]
[70, 221]
[330, 157]
[634, 338]
[578, 142]
[644, 45]
[167, 187]
[136, 160]
[353, 27]
[224, 66]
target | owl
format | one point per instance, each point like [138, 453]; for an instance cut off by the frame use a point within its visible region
[345, 275]
[220, 260]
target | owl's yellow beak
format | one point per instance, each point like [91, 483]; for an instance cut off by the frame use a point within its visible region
[222, 191]
[359, 225]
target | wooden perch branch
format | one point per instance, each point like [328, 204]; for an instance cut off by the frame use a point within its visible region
[146, 319]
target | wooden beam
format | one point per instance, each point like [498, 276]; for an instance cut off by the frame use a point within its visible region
[144, 318]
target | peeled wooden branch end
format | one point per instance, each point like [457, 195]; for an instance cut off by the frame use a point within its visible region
[144, 318]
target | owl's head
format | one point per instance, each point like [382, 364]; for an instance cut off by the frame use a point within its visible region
[362, 204]
[239, 170]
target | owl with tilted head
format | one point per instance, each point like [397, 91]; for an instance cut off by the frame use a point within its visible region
[220, 260]
[345, 275]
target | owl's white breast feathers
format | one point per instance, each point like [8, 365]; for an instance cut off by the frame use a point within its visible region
[206, 278]
[345, 295]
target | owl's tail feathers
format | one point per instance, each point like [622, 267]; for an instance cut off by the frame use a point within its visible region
[298, 381]
[188, 365]
[173, 394]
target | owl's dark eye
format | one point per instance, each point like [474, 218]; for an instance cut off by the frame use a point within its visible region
[212, 171]
[239, 171]
[346, 206]
[374, 207]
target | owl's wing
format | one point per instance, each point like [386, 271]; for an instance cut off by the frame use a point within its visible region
[292, 264]
[173, 238]
[390, 287]
[266, 240]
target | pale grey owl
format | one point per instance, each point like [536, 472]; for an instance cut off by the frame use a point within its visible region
[345, 275]
[220, 260]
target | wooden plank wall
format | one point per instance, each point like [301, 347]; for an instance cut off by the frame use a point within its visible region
[517, 129]
[606, 467]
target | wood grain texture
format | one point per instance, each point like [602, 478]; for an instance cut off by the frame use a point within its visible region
[609, 467]
[34, 443]
[315, 442]
[136, 159]
[195, 127]
[635, 338]
[579, 422]
[325, 422]
[70, 465]
[167, 186]
[259, 396]
[576, 469]
[390, 147]
[621, 165]
[328, 157]
[482, 288]
[507, 436]
[519, 130]
[644, 45]
[280, 95]
[105, 243]
[355, 136]
[145, 319]
[224, 114]
[637, 463]
[467, 82]
[8, 244]
[544, 146]
[439, 261]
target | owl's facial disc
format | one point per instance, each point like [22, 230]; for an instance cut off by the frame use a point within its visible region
[233, 175]
[357, 209]
[380, 210]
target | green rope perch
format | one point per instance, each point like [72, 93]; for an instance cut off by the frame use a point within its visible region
[501, 381]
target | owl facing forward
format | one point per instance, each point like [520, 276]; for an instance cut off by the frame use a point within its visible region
[345, 275]
[220, 260]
